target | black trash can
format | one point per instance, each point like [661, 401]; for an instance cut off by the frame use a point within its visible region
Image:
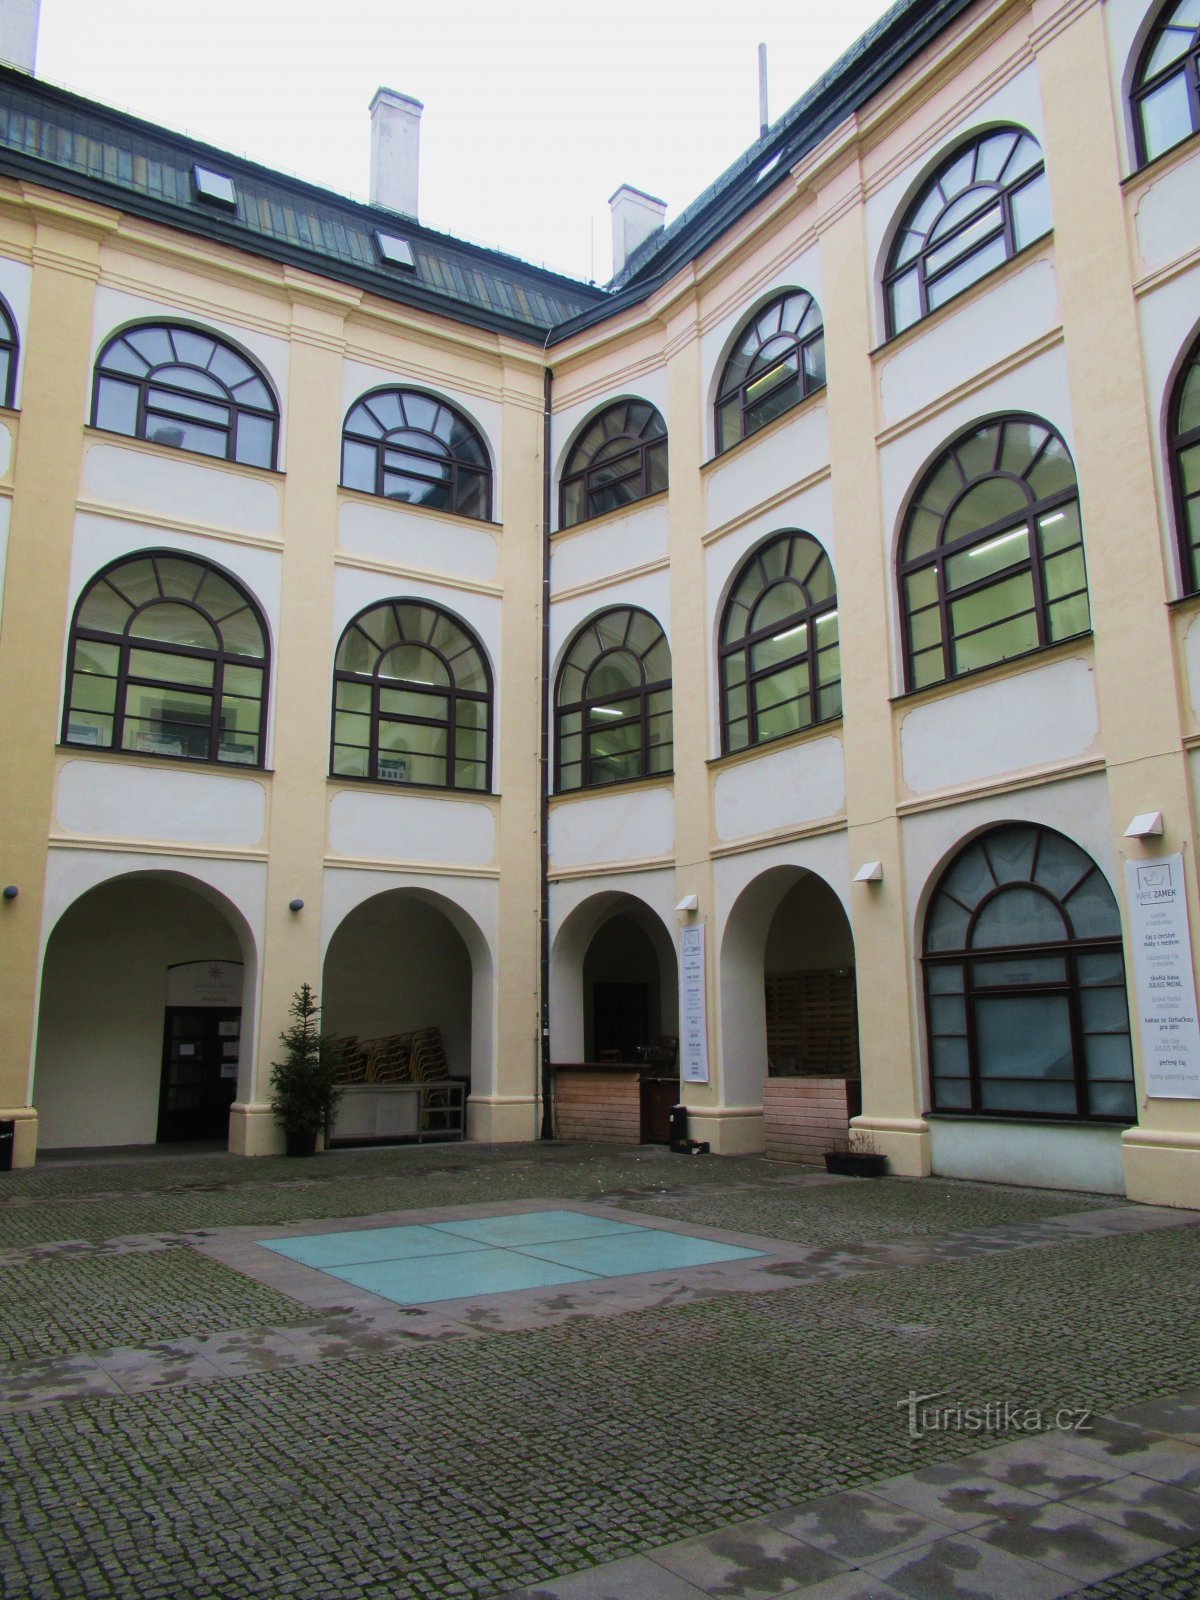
[679, 1128]
[8, 1133]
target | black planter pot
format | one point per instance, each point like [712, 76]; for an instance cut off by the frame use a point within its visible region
[302, 1144]
[848, 1164]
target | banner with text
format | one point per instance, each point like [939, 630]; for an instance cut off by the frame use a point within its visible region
[1165, 987]
[693, 1019]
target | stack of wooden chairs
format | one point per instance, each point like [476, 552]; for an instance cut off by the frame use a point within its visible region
[418, 1057]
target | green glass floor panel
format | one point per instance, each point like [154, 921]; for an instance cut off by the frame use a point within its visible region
[647, 1250]
[327, 1250]
[526, 1228]
[456, 1277]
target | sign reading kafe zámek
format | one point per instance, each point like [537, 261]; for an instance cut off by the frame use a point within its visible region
[693, 1022]
[1165, 986]
[205, 983]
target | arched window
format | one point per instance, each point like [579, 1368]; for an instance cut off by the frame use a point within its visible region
[778, 359]
[1166, 85]
[779, 655]
[412, 699]
[1025, 982]
[613, 707]
[168, 657]
[991, 554]
[1185, 466]
[984, 203]
[411, 447]
[8, 355]
[621, 456]
[183, 387]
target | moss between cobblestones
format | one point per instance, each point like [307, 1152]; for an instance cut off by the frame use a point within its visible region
[478, 1466]
[1172, 1577]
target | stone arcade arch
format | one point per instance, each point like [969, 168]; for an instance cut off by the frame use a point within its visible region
[789, 1020]
[145, 1026]
[405, 961]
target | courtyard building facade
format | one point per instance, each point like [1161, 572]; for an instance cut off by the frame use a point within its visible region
[770, 682]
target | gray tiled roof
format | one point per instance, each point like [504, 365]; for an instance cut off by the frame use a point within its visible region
[73, 143]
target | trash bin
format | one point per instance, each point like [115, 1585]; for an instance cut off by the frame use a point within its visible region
[8, 1133]
[679, 1128]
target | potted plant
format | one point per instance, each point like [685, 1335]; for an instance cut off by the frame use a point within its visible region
[304, 1088]
[855, 1156]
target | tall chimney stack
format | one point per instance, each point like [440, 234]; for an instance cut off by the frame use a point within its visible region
[635, 216]
[18, 33]
[395, 150]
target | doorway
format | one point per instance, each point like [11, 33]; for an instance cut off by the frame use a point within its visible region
[201, 1047]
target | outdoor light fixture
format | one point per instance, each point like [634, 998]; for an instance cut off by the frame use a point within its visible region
[869, 872]
[296, 905]
[690, 902]
[11, 891]
[1144, 825]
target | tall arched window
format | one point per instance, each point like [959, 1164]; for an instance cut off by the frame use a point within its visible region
[411, 447]
[8, 355]
[181, 386]
[777, 361]
[621, 456]
[613, 706]
[412, 699]
[1185, 466]
[984, 203]
[991, 553]
[779, 654]
[1166, 84]
[168, 657]
[1025, 982]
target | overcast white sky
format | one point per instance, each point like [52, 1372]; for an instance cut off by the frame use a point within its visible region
[535, 110]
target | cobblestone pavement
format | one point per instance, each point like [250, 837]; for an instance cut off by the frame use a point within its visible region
[373, 1464]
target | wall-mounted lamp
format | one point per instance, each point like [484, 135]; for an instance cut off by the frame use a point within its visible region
[690, 902]
[869, 872]
[296, 905]
[1145, 825]
[11, 891]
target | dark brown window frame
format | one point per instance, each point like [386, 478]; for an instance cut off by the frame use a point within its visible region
[145, 382]
[638, 454]
[10, 345]
[936, 558]
[462, 472]
[728, 392]
[449, 692]
[991, 190]
[1069, 949]
[1178, 444]
[125, 644]
[581, 707]
[806, 616]
[1187, 64]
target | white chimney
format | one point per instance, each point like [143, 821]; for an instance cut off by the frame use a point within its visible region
[395, 142]
[635, 216]
[18, 33]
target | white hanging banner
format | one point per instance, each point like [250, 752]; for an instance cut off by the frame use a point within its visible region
[205, 983]
[693, 1017]
[1164, 981]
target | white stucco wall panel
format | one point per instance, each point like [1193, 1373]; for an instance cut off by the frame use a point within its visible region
[767, 465]
[5, 449]
[786, 788]
[652, 592]
[5, 513]
[1037, 1154]
[135, 480]
[1168, 218]
[408, 539]
[950, 351]
[615, 827]
[411, 827]
[1025, 721]
[620, 544]
[110, 800]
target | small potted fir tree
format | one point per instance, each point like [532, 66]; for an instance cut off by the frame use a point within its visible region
[304, 1088]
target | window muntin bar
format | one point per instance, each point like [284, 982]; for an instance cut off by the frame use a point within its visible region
[619, 458]
[778, 360]
[404, 445]
[613, 719]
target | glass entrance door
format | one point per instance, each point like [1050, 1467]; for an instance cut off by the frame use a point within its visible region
[201, 1048]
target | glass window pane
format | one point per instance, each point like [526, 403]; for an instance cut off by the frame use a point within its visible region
[1011, 638]
[1103, 967]
[170, 668]
[944, 979]
[1069, 617]
[1010, 853]
[1166, 116]
[1018, 917]
[968, 272]
[981, 561]
[1018, 972]
[1047, 1098]
[117, 406]
[1092, 908]
[350, 763]
[1104, 1011]
[1112, 1100]
[951, 1094]
[949, 1056]
[1025, 1036]
[947, 1014]
[905, 295]
[1030, 212]
[255, 441]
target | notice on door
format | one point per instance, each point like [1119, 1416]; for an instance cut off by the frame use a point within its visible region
[1165, 984]
[693, 1042]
